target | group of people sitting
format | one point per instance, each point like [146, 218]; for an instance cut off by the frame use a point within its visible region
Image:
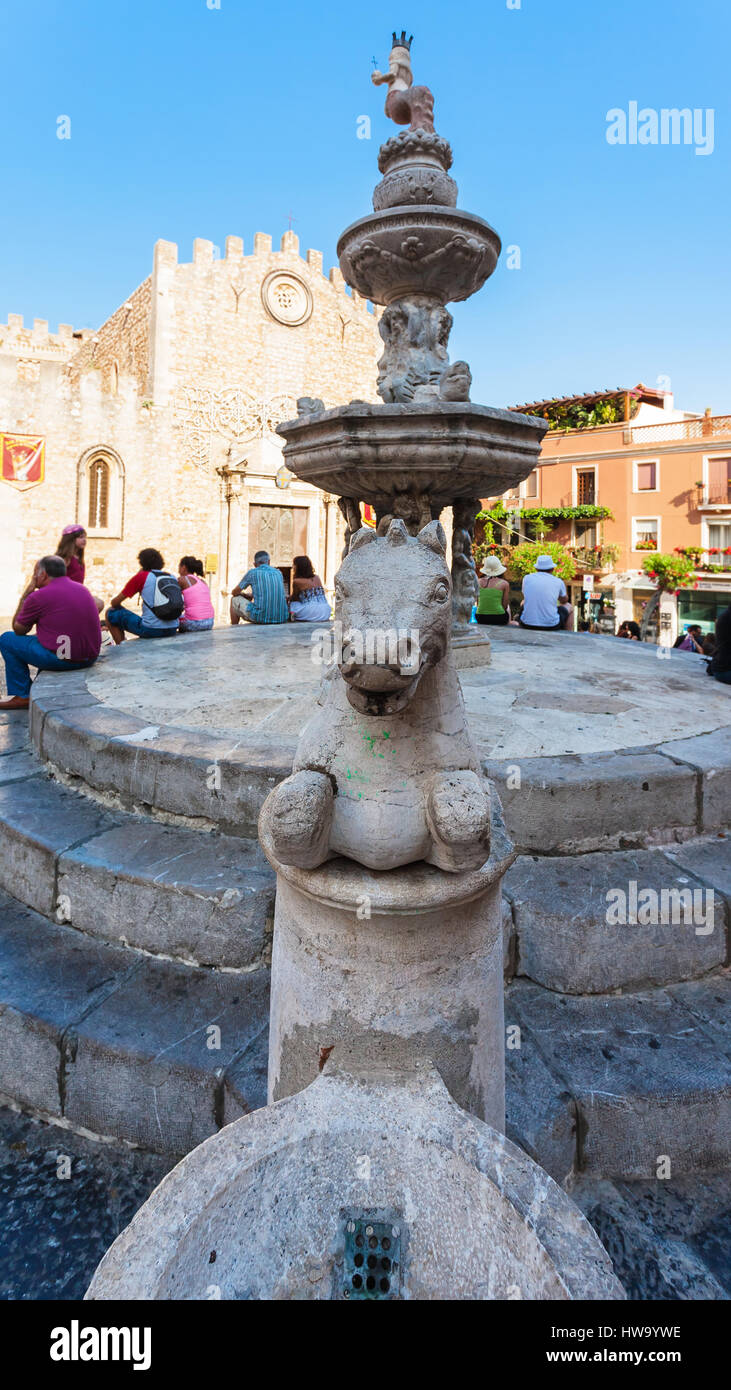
[545, 606]
[68, 618]
[261, 597]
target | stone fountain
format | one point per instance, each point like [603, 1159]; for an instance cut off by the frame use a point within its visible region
[379, 1169]
[428, 447]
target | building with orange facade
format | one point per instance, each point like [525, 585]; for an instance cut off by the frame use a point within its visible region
[664, 478]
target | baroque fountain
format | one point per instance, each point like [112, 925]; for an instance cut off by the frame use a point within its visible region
[379, 1168]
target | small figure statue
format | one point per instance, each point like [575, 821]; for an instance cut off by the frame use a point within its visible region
[309, 405]
[456, 382]
[386, 772]
[405, 103]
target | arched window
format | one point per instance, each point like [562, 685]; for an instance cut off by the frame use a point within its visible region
[100, 491]
[98, 495]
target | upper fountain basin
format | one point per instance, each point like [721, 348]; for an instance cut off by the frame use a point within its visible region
[448, 449]
[439, 251]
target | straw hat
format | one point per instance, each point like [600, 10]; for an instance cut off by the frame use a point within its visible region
[492, 566]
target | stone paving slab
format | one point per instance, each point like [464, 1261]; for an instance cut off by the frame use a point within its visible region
[148, 1064]
[583, 803]
[711, 755]
[15, 767]
[40, 820]
[565, 941]
[207, 899]
[540, 1113]
[667, 1240]
[14, 732]
[648, 1076]
[118, 1043]
[49, 978]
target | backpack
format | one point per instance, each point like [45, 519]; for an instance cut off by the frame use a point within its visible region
[167, 597]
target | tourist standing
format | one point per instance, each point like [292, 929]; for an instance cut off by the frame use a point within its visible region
[68, 633]
[543, 591]
[198, 615]
[72, 549]
[308, 602]
[268, 602]
[630, 630]
[493, 607]
[161, 596]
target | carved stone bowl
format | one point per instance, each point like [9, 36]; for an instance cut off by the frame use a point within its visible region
[422, 249]
[447, 449]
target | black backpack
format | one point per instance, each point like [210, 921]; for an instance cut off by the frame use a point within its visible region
[167, 598]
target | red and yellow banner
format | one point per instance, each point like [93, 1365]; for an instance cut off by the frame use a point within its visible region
[369, 515]
[22, 459]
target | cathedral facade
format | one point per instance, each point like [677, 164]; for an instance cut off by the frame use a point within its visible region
[159, 428]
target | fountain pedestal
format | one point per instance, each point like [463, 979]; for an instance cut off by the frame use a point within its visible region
[411, 955]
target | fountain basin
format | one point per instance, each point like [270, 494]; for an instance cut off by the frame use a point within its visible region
[444, 449]
[435, 250]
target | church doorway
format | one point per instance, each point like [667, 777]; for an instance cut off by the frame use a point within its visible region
[282, 531]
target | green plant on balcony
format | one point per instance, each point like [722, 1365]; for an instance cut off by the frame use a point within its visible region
[694, 553]
[646, 545]
[609, 411]
[595, 557]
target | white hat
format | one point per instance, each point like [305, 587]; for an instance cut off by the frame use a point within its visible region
[545, 562]
[492, 565]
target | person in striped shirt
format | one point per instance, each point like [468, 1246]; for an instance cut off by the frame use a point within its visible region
[268, 602]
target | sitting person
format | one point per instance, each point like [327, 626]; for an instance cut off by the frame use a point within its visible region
[307, 602]
[162, 601]
[68, 633]
[542, 593]
[629, 630]
[268, 603]
[691, 640]
[71, 548]
[720, 663]
[493, 608]
[198, 615]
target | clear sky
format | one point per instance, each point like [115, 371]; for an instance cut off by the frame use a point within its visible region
[193, 121]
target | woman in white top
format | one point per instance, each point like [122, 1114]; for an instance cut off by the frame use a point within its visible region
[307, 601]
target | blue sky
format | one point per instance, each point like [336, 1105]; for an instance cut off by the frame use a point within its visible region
[188, 121]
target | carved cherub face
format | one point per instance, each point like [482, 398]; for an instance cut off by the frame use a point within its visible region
[393, 598]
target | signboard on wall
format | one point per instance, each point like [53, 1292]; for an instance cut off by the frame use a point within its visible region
[22, 459]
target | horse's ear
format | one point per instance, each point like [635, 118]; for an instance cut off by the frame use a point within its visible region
[434, 536]
[364, 536]
[397, 533]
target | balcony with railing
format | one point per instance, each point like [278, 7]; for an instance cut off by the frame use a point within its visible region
[594, 559]
[701, 428]
[713, 494]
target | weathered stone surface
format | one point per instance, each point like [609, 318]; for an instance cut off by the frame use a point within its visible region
[711, 755]
[203, 898]
[40, 820]
[14, 732]
[147, 1065]
[564, 804]
[270, 1194]
[667, 1240]
[49, 978]
[568, 936]
[540, 1113]
[708, 860]
[647, 1075]
[15, 767]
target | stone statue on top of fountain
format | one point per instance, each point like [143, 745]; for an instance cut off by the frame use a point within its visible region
[405, 103]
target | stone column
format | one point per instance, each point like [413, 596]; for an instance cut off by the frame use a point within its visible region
[413, 955]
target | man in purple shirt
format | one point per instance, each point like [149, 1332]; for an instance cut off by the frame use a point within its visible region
[68, 635]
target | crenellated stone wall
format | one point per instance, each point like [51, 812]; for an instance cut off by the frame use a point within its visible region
[179, 392]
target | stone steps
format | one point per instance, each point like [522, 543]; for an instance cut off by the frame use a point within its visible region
[572, 917]
[631, 1086]
[108, 1040]
[199, 897]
